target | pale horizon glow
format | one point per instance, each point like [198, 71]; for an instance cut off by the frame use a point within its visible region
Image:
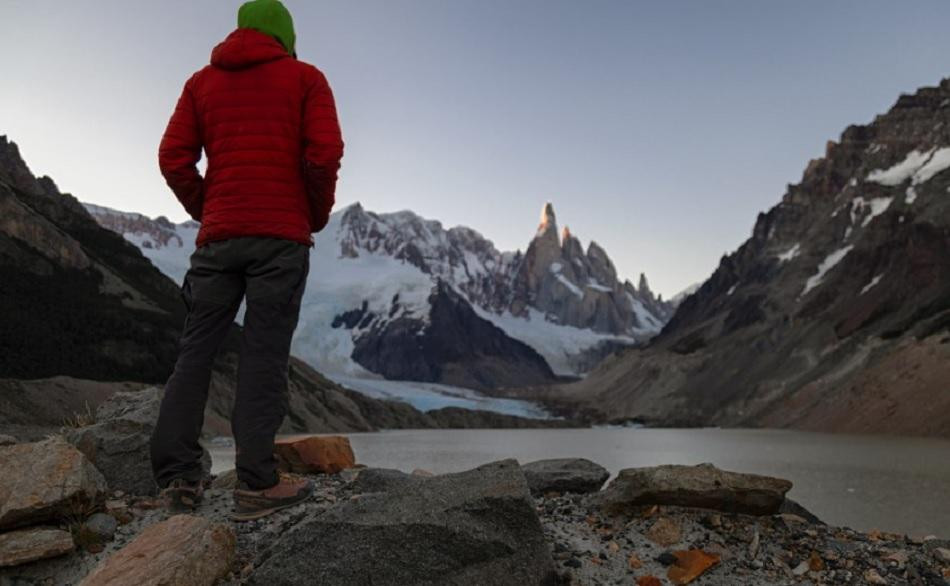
[658, 129]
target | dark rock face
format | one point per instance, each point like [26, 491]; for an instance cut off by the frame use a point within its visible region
[564, 475]
[118, 443]
[845, 275]
[32, 409]
[455, 346]
[107, 314]
[475, 527]
[703, 486]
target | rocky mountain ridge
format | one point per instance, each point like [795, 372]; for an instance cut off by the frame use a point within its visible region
[554, 275]
[833, 316]
[381, 276]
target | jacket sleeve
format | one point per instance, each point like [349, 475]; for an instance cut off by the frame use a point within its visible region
[180, 151]
[323, 149]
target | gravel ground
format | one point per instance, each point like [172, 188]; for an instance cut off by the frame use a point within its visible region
[590, 548]
[781, 549]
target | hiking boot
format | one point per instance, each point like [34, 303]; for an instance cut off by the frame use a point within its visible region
[182, 496]
[254, 504]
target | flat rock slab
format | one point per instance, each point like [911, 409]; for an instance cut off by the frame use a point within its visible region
[45, 480]
[183, 550]
[118, 443]
[315, 455]
[474, 527]
[703, 486]
[383, 479]
[576, 475]
[36, 543]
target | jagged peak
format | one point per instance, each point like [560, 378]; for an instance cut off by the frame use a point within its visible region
[548, 220]
[644, 287]
[48, 185]
[355, 212]
[595, 250]
[566, 234]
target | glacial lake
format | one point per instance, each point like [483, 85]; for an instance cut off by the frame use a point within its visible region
[866, 482]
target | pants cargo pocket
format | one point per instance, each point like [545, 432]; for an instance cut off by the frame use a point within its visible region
[301, 285]
[187, 297]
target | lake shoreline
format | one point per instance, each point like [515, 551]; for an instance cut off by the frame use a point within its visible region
[551, 523]
[866, 482]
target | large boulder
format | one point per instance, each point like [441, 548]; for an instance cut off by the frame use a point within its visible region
[383, 479]
[474, 527]
[45, 480]
[315, 454]
[703, 486]
[36, 543]
[118, 441]
[183, 550]
[565, 475]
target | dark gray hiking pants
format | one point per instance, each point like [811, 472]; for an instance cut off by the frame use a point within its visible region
[271, 274]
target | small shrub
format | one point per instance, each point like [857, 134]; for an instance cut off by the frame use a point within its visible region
[83, 418]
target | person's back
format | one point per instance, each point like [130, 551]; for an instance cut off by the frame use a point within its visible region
[269, 128]
[268, 125]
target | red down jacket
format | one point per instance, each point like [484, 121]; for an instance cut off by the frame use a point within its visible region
[268, 125]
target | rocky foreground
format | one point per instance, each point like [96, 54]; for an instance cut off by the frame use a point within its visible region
[76, 509]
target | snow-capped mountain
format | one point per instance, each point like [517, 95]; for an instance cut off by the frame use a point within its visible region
[401, 296]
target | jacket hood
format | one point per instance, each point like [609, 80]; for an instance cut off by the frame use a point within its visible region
[245, 48]
[271, 18]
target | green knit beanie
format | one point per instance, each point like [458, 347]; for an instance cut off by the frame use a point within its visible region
[269, 17]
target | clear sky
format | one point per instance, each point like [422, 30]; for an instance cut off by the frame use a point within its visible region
[659, 129]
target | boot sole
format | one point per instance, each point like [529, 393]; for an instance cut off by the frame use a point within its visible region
[240, 516]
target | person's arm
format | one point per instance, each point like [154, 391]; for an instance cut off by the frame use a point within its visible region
[180, 151]
[323, 149]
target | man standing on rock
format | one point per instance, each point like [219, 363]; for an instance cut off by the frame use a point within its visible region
[267, 123]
